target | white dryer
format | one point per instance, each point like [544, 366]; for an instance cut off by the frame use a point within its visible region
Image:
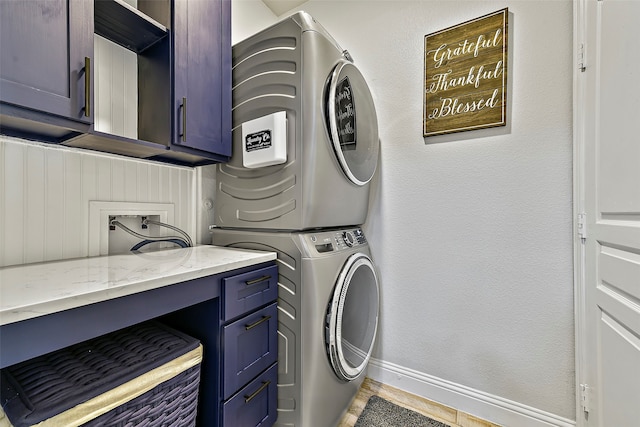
[328, 304]
[302, 108]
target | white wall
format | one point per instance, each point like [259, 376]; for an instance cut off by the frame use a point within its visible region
[472, 232]
[248, 17]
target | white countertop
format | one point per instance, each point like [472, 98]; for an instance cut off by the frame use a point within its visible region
[32, 290]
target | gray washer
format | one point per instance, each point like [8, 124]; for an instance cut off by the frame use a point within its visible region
[332, 132]
[328, 302]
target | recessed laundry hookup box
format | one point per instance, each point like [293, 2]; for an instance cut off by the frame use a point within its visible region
[147, 374]
[264, 141]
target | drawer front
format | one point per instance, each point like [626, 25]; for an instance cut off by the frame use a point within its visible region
[254, 405]
[250, 346]
[248, 291]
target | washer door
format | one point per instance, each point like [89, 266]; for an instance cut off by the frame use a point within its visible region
[355, 142]
[352, 317]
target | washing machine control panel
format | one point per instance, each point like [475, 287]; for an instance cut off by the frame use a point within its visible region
[330, 241]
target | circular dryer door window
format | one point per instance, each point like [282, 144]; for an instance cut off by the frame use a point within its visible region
[352, 123]
[352, 317]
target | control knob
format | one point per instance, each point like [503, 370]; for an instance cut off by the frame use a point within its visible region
[349, 238]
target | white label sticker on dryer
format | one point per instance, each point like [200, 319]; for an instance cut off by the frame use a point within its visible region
[264, 141]
[258, 140]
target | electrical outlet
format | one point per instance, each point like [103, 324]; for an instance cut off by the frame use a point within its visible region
[105, 241]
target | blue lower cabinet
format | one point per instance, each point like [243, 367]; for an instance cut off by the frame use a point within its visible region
[249, 368]
[250, 347]
[255, 404]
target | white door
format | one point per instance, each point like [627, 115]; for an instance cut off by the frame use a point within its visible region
[608, 165]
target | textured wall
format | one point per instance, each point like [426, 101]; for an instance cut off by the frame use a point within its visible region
[472, 232]
[472, 236]
[45, 193]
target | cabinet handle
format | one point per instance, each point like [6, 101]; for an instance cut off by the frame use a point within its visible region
[254, 324]
[184, 119]
[258, 280]
[87, 86]
[264, 385]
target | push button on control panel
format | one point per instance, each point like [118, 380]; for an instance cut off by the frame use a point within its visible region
[350, 238]
[337, 240]
[359, 235]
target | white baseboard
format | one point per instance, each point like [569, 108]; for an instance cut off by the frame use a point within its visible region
[465, 399]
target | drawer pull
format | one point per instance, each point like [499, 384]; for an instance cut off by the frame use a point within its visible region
[254, 324]
[258, 280]
[264, 385]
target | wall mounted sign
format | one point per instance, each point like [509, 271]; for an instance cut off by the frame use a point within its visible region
[465, 76]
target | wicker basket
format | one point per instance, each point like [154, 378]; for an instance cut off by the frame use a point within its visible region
[145, 375]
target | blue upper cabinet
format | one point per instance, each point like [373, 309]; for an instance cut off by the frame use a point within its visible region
[183, 51]
[202, 75]
[46, 49]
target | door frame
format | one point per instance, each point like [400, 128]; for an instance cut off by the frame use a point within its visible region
[587, 395]
[579, 252]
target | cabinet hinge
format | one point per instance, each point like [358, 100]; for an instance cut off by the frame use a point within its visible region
[585, 397]
[581, 66]
[582, 226]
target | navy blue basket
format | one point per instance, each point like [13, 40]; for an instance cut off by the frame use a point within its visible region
[56, 383]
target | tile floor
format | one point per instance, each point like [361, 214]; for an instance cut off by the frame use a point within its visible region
[426, 407]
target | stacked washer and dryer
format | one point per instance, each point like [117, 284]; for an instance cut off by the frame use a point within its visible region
[298, 185]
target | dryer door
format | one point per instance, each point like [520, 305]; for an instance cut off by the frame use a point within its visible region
[352, 317]
[352, 123]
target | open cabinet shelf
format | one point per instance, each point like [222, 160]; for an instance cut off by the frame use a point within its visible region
[125, 25]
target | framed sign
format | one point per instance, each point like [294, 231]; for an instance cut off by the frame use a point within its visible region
[465, 76]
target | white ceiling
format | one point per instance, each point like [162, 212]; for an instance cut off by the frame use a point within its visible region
[279, 7]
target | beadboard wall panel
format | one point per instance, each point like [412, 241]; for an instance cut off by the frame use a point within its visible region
[116, 89]
[45, 193]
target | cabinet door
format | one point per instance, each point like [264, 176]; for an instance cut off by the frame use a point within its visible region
[202, 75]
[256, 405]
[44, 44]
[250, 345]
